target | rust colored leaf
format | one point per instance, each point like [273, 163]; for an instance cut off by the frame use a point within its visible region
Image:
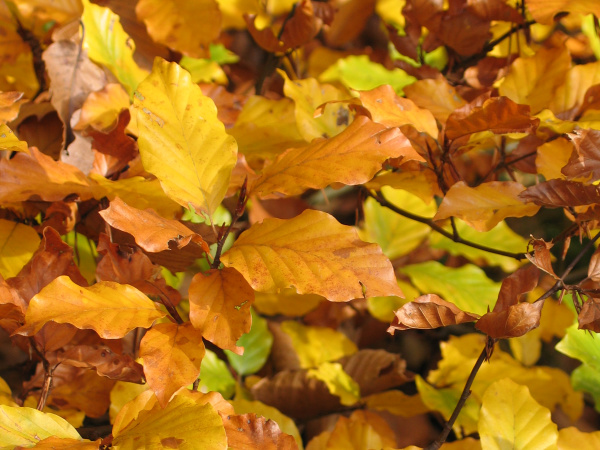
[561, 193]
[542, 258]
[62, 216]
[499, 115]
[352, 157]
[172, 355]
[220, 303]
[104, 361]
[589, 316]
[516, 284]
[465, 32]
[251, 431]
[350, 19]
[34, 175]
[484, 206]
[151, 232]
[428, 312]
[515, 321]
[585, 160]
[594, 267]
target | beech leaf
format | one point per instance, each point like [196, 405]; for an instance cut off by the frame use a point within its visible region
[428, 312]
[110, 309]
[181, 140]
[18, 243]
[513, 286]
[589, 316]
[220, 303]
[561, 193]
[514, 321]
[315, 254]
[338, 382]
[172, 355]
[252, 431]
[352, 157]
[584, 161]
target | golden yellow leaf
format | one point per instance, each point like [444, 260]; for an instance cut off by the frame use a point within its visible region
[511, 418]
[181, 140]
[352, 157]
[186, 27]
[315, 254]
[61, 11]
[543, 11]
[552, 156]
[571, 93]
[484, 206]
[10, 142]
[55, 443]
[435, 95]
[18, 243]
[397, 403]
[5, 394]
[572, 439]
[288, 302]
[101, 109]
[10, 102]
[121, 394]
[220, 303]
[111, 309]
[172, 355]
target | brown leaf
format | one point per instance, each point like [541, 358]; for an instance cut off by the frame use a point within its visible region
[557, 193]
[428, 312]
[524, 280]
[465, 32]
[350, 19]
[499, 115]
[220, 303]
[589, 316]
[152, 232]
[542, 258]
[249, 431]
[515, 321]
[62, 216]
[585, 159]
[594, 267]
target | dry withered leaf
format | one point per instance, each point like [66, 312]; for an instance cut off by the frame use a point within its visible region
[514, 321]
[427, 312]
[524, 280]
[557, 193]
[252, 431]
[589, 316]
[541, 258]
[585, 159]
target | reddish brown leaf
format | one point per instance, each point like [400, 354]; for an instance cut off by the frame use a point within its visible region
[515, 321]
[350, 18]
[585, 160]
[541, 258]
[499, 115]
[520, 282]
[62, 216]
[589, 316]
[428, 312]
[465, 32]
[594, 267]
[249, 431]
[152, 232]
[557, 193]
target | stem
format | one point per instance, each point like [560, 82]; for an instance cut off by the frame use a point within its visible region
[379, 198]
[167, 302]
[463, 399]
[48, 372]
[196, 384]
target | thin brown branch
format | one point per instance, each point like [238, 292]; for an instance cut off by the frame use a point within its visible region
[48, 373]
[429, 222]
[239, 211]
[166, 301]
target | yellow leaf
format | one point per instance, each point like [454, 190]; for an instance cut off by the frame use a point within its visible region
[527, 348]
[5, 394]
[484, 206]
[10, 142]
[101, 109]
[309, 94]
[387, 108]
[338, 382]
[315, 254]
[181, 140]
[572, 439]
[55, 443]
[121, 394]
[110, 46]
[511, 418]
[220, 303]
[397, 403]
[74, 416]
[352, 157]
[60, 11]
[288, 302]
[308, 343]
[571, 93]
[183, 423]
[28, 426]
[532, 81]
[552, 156]
[172, 355]
[18, 243]
[186, 27]
[111, 309]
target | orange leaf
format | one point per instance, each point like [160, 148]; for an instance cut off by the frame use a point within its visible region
[249, 431]
[561, 193]
[594, 267]
[220, 303]
[428, 312]
[314, 253]
[435, 95]
[172, 355]
[352, 157]
[515, 321]
[151, 232]
[542, 258]
[544, 11]
[500, 115]
[484, 206]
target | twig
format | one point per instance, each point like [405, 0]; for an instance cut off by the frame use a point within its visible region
[383, 202]
[164, 298]
[48, 373]
[196, 384]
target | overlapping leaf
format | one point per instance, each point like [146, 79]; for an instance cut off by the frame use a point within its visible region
[313, 253]
[561, 193]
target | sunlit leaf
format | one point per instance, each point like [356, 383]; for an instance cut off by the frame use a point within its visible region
[180, 138]
[484, 206]
[397, 403]
[510, 416]
[252, 431]
[314, 253]
[307, 343]
[101, 109]
[18, 243]
[54, 443]
[257, 347]
[435, 95]
[556, 193]
[573, 439]
[544, 12]
[10, 142]
[121, 394]
[552, 156]
[110, 309]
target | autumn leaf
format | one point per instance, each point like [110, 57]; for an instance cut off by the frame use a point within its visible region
[561, 193]
[180, 138]
[18, 242]
[313, 253]
[110, 309]
[585, 159]
[252, 431]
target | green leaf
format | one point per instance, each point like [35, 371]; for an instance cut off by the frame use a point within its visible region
[360, 73]
[338, 382]
[500, 237]
[383, 308]
[467, 287]
[215, 376]
[27, 427]
[110, 46]
[257, 346]
[396, 235]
